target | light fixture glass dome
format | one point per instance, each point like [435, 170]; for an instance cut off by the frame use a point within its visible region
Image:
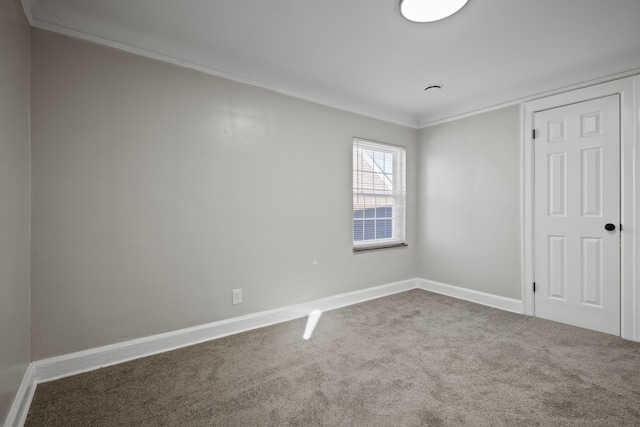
[429, 10]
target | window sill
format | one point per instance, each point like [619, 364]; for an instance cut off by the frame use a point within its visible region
[375, 248]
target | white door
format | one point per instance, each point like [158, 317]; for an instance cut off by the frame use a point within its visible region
[577, 193]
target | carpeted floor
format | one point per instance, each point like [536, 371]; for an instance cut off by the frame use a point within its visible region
[410, 359]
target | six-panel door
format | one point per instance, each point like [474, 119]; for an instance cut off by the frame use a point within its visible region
[577, 193]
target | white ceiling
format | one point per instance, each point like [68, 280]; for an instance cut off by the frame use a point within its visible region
[362, 56]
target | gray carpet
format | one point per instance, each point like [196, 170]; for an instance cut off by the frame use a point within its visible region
[410, 359]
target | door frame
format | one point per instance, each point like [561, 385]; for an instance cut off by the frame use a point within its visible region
[629, 91]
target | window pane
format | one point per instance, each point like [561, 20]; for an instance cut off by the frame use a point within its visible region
[384, 212]
[369, 229]
[358, 230]
[383, 229]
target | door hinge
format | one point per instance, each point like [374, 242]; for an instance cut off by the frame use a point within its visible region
[534, 287]
[533, 133]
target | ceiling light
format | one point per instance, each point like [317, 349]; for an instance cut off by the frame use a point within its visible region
[429, 10]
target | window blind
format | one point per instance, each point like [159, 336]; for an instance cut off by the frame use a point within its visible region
[379, 194]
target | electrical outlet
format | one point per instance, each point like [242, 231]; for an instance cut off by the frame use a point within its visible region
[237, 296]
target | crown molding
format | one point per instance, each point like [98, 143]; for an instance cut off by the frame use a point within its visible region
[26, 7]
[520, 101]
[206, 70]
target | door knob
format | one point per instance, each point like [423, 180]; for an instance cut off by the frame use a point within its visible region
[609, 227]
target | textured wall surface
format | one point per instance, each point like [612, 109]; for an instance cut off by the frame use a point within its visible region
[14, 201]
[157, 190]
[469, 203]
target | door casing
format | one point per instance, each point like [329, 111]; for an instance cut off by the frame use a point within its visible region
[629, 91]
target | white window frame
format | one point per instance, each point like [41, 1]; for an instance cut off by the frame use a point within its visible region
[396, 192]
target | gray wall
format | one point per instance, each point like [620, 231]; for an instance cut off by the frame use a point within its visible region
[14, 201]
[469, 203]
[157, 190]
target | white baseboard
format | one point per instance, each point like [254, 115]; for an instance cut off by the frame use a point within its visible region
[88, 360]
[508, 304]
[20, 408]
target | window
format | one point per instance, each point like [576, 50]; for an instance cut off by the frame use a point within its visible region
[378, 194]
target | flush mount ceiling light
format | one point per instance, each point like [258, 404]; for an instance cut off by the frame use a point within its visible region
[429, 10]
